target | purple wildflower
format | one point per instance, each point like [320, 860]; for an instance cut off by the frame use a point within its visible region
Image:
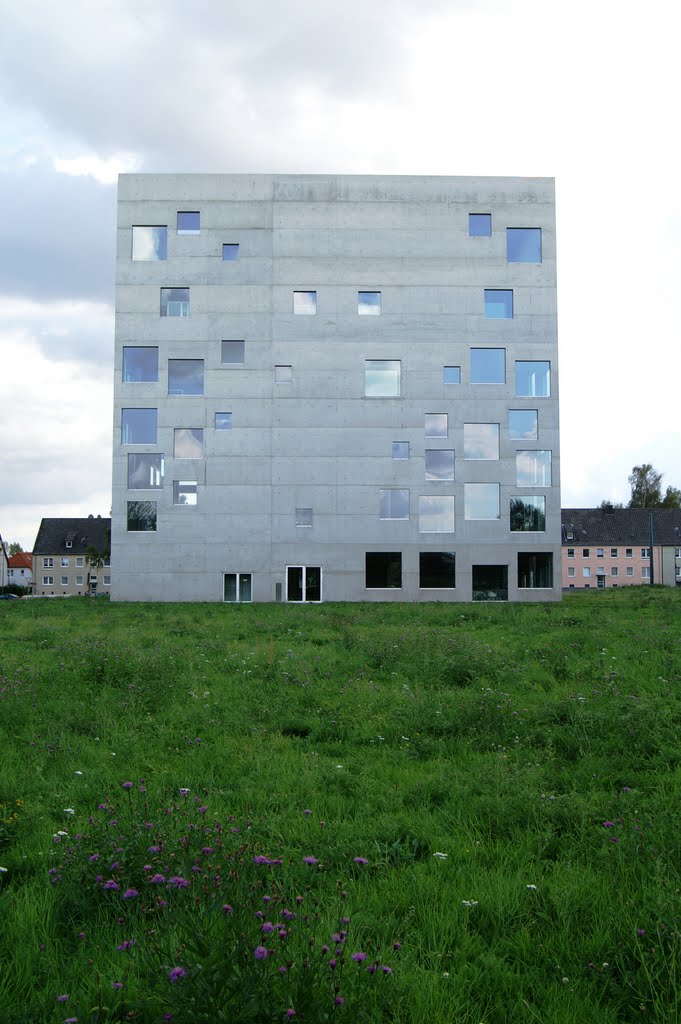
[261, 859]
[130, 894]
[124, 946]
[359, 957]
[260, 952]
[290, 1013]
[397, 946]
[282, 969]
[640, 931]
[117, 985]
[608, 824]
[184, 792]
[333, 964]
[226, 909]
[360, 860]
[126, 785]
[111, 886]
[93, 857]
[325, 950]
[386, 969]
[154, 849]
[288, 915]
[339, 1001]
[178, 882]
[63, 998]
[307, 810]
[71, 1020]
[175, 973]
[157, 879]
[267, 927]
[310, 860]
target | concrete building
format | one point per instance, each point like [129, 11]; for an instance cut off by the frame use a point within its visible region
[610, 547]
[335, 388]
[66, 554]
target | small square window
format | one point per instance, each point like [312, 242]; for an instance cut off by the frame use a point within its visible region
[490, 582]
[523, 424]
[64, 581]
[237, 587]
[439, 464]
[437, 570]
[188, 222]
[528, 514]
[369, 303]
[141, 516]
[303, 517]
[80, 562]
[305, 303]
[571, 571]
[586, 572]
[481, 501]
[535, 570]
[185, 376]
[532, 379]
[48, 581]
[600, 553]
[185, 492]
[383, 570]
[107, 581]
[64, 562]
[145, 471]
[629, 552]
[614, 571]
[230, 251]
[188, 443]
[436, 424]
[488, 366]
[613, 552]
[48, 563]
[499, 303]
[523, 245]
[223, 421]
[533, 469]
[586, 552]
[382, 378]
[140, 364]
[571, 552]
[479, 225]
[436, 513]
[481, 441]
[150, 242]
[645, 552]
[630, 570]
[139, 426]
[394, 504]
[451, 374]
[233, 353]
[79, 581]
[283, 374]
[175, 302]
[400, 450]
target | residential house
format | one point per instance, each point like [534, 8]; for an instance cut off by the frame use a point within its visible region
[63, 553]
[20, 571]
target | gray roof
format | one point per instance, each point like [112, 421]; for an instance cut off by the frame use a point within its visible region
[54, 533]
[621, 526]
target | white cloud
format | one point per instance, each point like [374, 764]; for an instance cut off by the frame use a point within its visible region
[90, 166]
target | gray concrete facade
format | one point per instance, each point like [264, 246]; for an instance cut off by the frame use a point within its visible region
[318, 441]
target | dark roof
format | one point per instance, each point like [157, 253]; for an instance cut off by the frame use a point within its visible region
[54, 533]
[623, 526]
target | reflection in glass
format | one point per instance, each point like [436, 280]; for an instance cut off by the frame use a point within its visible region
[451, 374]
[150, 242]
[188, 222]
[303, 517]
[481, 440]
[490, 582]
[141, 516]
[233, 352]
[139, 426]
[230, 251]
[436, 513]
[479, 225]
[185, 376]
[498, 304]
[145, 471]
[237, 586]
[522, 424]
[369, 303]
[481, 501]
[185, 492]
[528, 513]
[140, 364]
[439, 464]
[535, 570]
[305, 303]
[174, 301]
[382, 378]
[532, 378]
[394, 504]
[437, 570]
[533, 469]
[523, 245]
[223, 421]
[188, 443]
[400, 450]
[488, 366]
[436, 424]
[383, 570]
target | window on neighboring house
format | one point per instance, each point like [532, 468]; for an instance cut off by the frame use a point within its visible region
[439, 464]
[600, 553]
[139, 426]
[571, 571]
[571, 552]
[533, 469]
[630, 570]
[479, 225]
[393, 503]
[305, 303]
[451, 374]
[613, 552]
[383, 570]
[48, 563]
[499, 303]
[535, 570]
[645, 552]
[149, 242]
[107, 581]
[48, 581]
[369, 303]
[145, 471]
[80, 562]
[188, 442]
[436, 424]
[185, 492]
[586, 572]
[230, 251]
[645, 572]
[140, 364]
[436, 513]
[238, 587]
[528, 514]
[400, 450]
[586, 552]
[233, 353]
[490, 582]
[532, 378]
[79, 581]
[303, 517]
[481, 441]
[437, 570]
[629, 552]
[185, 377]
[677, 552]
[488, 366]
[382, 378]
[174, 301]
[481, 501]
[64, 562]
[141, 516]
[523, 245]
[283, 374]
[188, 222]
[64, 581]
[614, 571]
[223, 421]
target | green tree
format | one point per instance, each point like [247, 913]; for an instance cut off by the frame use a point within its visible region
[609, 505]
[646, 487]
[672, 498]
[15, 548]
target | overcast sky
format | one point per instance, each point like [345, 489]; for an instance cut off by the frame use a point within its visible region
[588, 92]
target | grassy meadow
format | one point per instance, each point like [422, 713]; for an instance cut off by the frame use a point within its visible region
[402, 813]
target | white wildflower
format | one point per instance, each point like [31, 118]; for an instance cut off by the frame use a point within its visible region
[69, 810]
[469, 903]
[440, 856]
[77, 773]
[530, 886]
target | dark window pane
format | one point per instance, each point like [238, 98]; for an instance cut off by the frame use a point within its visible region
[535, 570]
[384, 570]
[174, 301]
[528, 514]
[437, 569]
[490, 583]
[141, 516]
[185, 376]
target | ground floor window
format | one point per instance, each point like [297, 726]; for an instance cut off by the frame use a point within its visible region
[383, 570]
[303, 583]
[535, 571]
[437, 570]
[490, 583]
[237, 587]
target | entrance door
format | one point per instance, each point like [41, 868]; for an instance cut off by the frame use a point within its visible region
[601, 583]
[303, 582]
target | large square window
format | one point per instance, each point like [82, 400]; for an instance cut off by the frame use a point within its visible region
[237, 587]
[233, 353]
[479, 225]
[488, 366]
[523, 424]
[436, 424]
[145, 471]
[535, 571]
[383, 570]
[382, 378]
[223, 421]
[439, 464]
[490, 582]
[437, 570]
[533, 469]
[185, 492]
[369, 303]
[436, 513]
[499, 303]
[185, 376]
[394, 504]
[230, 251]
[140, 364]
[451, 374]
[532, 378]
[523, 245]
[400, 450]
[481, 440]
[150, 242]
[188, 222]
[305, 303]
[188, 442]
[303, 517]
[481, 501]
[528, 514]
[139, 426]
[174, 301]
[141, 516]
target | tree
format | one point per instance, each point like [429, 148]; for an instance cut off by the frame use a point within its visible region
[672, 498]
[608, 506]
[15, 548]
[646, 489]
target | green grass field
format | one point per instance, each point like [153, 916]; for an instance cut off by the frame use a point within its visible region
[361, 813]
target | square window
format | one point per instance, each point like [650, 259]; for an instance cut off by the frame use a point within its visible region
[107, 581]
[535, 570]
[174, 301]
[185, 376]
[283, 374]
[141, 516]
[305, 303]
[490, 582]
[188, 443]
[533, 469]
[303, 517]
[523, 424]
[488, 366]
[439, 464]
[436, 424]
[481, 501]
[223, 421]
[237, 587]
[382, 378]
[383, 570]
[451, 374]
[479, 225]
[645, 552]
[393, 504]
[613, 552]
[630, 570]
[233, 353]
[499, 303]
[48, 581]
[145, 471]
[571, 552]
[481, 440]
[150, 242]
[523, 245]
[532, 378]
[369, 303]
[185, 492]
[64, 581]
[400, 450]
[436, 513]
[140, 364]
[437, 570]
[528, 514]
[230, 251]
[48, 563]
[586, 552]
[139, 426]
[188, 222]
[571, 571]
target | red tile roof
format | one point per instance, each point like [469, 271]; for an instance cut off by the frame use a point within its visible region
[20, 561]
